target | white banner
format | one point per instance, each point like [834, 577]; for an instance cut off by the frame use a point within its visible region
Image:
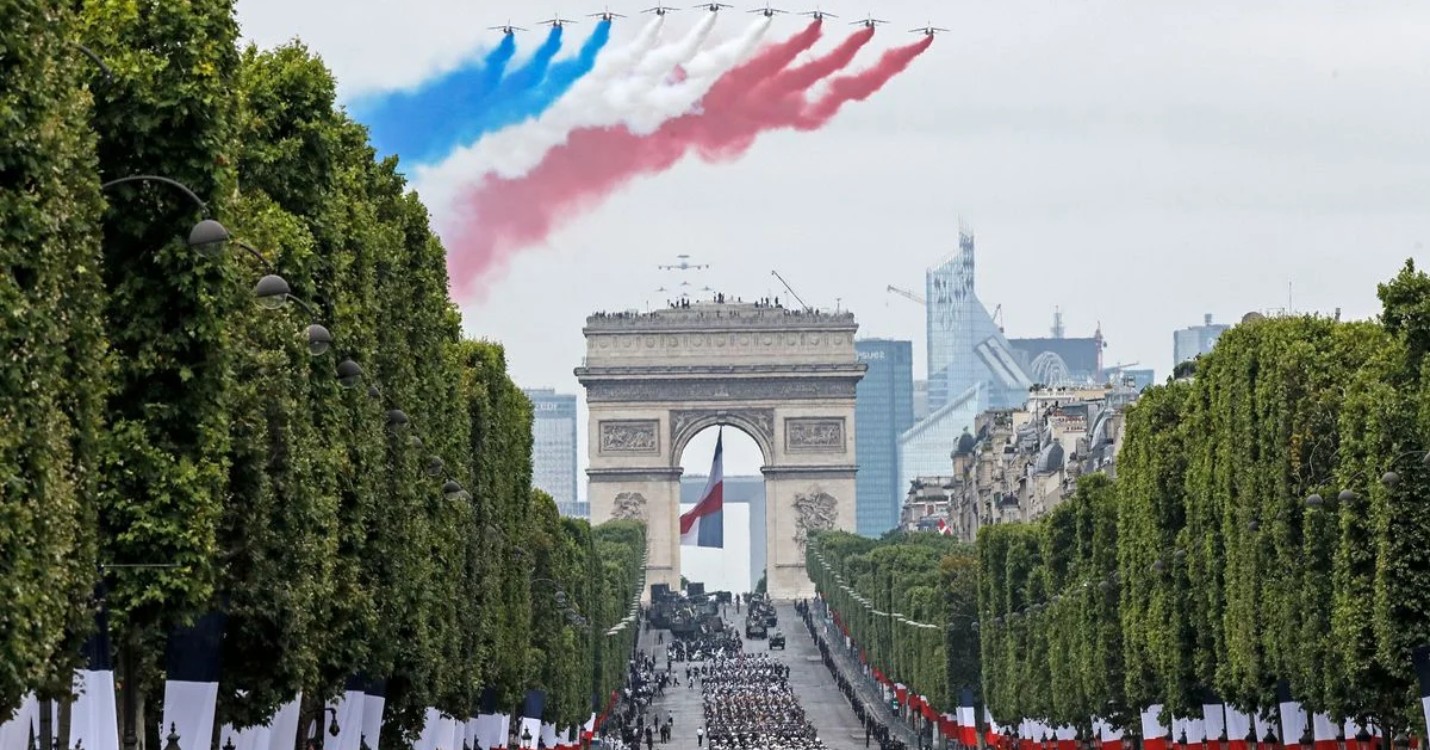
[349, 711]
[431, 731]
[1214, 721]
[491, 731]
[372, 720]
[189, 710]
[528, 732]
[252, 738]
[15, 733]
[93, 723]
[283, 729]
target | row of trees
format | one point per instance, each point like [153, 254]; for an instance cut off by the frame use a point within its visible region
[909, 602]
[1267, 529]
[1266, 532]
[181, 450]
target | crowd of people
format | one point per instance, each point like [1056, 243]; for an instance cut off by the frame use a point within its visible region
[749, 705]
[706, 646]
[748, 702]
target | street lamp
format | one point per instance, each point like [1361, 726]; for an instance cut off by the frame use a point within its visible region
[208, 237]
[451, 490]
[349, 374]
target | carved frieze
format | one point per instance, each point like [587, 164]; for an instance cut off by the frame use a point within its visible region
[815, 510]
[814, 434]
[631, 436]
[629, 506]
[754, 389]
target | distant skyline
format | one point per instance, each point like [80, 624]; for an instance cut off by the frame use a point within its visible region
[1135, 164]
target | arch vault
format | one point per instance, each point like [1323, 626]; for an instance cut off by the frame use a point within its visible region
[785, 377]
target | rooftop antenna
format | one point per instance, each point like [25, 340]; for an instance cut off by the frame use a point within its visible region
[792, 292]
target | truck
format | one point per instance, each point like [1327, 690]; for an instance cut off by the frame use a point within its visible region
[777, 640]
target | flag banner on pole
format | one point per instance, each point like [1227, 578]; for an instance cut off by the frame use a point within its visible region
[1154, 733]
[374, 701]
[93, 723]
[470, 731]
[704, 525]
[1293, 718]
[432, 727]
[1238, 726]
[191, 661]
[1214, 720]
[349, 709]
[1420, 659]
[283, 728]
[491, 732]
[15, 733]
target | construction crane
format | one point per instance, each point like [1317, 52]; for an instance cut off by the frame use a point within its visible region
[792, 292]
[1122, 366]
[906, 294]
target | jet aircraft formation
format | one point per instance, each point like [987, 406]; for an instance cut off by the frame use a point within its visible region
[768, 11]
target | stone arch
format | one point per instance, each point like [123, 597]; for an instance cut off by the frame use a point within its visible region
[685, 424]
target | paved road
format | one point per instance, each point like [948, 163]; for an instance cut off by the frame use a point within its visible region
[864, 685]
[823, 703]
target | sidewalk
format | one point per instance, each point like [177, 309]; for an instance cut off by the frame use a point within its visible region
[864, 685]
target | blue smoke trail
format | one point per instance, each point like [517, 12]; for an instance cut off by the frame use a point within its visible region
[534, 98]
[423, 124]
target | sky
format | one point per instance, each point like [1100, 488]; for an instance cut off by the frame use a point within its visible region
[1135, 164]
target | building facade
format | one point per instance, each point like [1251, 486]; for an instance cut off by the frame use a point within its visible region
[883, 410]
[1190, 343]
[1018, 464]
[553, 451]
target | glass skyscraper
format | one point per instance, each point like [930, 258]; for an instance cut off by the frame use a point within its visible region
[553, 452]
[883, 410]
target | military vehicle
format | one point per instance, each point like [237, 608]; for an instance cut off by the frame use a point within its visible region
[777, 641]
[755, 628]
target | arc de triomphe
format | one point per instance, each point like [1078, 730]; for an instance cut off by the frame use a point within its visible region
[784, 377]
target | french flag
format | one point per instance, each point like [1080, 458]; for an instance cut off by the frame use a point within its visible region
[704, 525]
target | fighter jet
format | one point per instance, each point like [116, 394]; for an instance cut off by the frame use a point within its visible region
[928, 30]
[818, 14]
[555, 22]
[714, 7]
[869, 22]
[683, 264]
[660, 10]
[607, 15]
[508, 29]
[767, 10]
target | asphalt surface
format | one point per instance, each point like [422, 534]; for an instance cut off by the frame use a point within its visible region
[818, 694]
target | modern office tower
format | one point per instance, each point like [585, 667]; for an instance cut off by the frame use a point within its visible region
[883, 410]
[553, 452]
[1189, 343]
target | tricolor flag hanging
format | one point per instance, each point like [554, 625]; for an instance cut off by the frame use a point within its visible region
[1420, 659]
[704, 525]
[944, 529]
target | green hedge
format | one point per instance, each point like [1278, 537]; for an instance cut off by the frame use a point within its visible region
[1204, 570]
[924, 577]
[52, 348]
[212, 457]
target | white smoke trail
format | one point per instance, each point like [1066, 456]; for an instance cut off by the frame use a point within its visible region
[666, 102]
[595, 101]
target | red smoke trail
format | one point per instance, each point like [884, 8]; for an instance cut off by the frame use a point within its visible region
[507, 215]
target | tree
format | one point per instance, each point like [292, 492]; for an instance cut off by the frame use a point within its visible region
[53, 373]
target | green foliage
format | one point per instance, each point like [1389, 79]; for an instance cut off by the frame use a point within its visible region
[927, 579]
[52, 349]
[217, 459]
[1205, 568]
